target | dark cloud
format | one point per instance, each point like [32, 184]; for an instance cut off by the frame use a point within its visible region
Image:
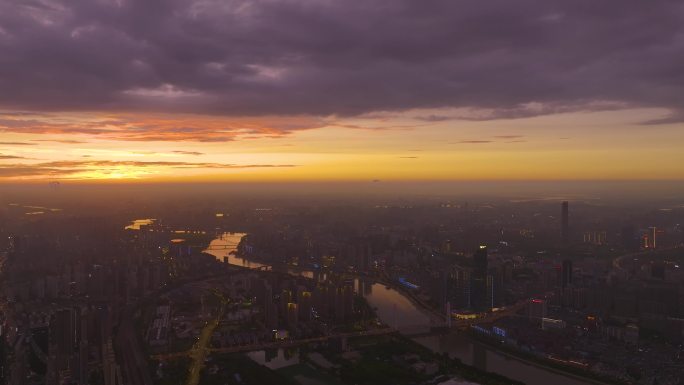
[255, 57]
[180, 152]
[167, 128]
[408, 157]
[380, 126]
[676, 117]
[195, 153]
[434, 118]
[509, 136]
[512, 139]
[131, 163]
[5, 157]
[17, 171]
[16, 144]
[63, 141]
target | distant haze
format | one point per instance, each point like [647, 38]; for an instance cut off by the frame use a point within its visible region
[657, 194]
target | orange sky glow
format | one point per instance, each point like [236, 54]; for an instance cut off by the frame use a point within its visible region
[78, 147]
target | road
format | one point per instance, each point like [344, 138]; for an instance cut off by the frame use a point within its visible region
[195, 352]
[278, 344]
[617, 262]
[199, 351]
[134, 365]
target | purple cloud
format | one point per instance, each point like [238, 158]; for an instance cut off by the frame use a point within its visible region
[266, 57]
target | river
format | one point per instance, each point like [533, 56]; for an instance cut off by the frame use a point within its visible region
[396, 310]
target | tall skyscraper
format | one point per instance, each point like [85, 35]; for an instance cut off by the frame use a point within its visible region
[566, 273]
[479, 296]
[565, 222]
[459, 288]
[292, 316]
[480, 260]
[270, 308]
[304, 302]
[285, 300]
[339, 304]
[652, 231]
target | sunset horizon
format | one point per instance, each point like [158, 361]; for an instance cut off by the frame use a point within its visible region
[319, 91]
[514, 149]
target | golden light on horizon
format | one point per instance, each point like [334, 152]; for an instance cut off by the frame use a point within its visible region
[581, 146]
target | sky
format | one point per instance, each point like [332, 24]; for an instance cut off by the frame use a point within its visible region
[322, 90]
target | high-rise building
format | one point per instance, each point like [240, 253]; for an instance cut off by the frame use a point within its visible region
[491, 291]
[270, 308]
[459, 288]
[565, 222]
[480, 260]
[479, 298]
[348, 299]
[110, 370]
[363, 256]
[63, 336]
[321, 301]
[652, 231]
[595, 237]
[292, 316]
[304, 302]
[285, 300]
[340, 304]
[566, 273]
[81, 369]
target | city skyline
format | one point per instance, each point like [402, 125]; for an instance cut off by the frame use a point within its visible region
[327, 192]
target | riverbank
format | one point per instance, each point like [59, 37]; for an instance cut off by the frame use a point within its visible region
[530, 359]
[418, 303]
[398, 304]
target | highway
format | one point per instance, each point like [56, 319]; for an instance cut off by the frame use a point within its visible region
[199, 351]
[134, 365]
